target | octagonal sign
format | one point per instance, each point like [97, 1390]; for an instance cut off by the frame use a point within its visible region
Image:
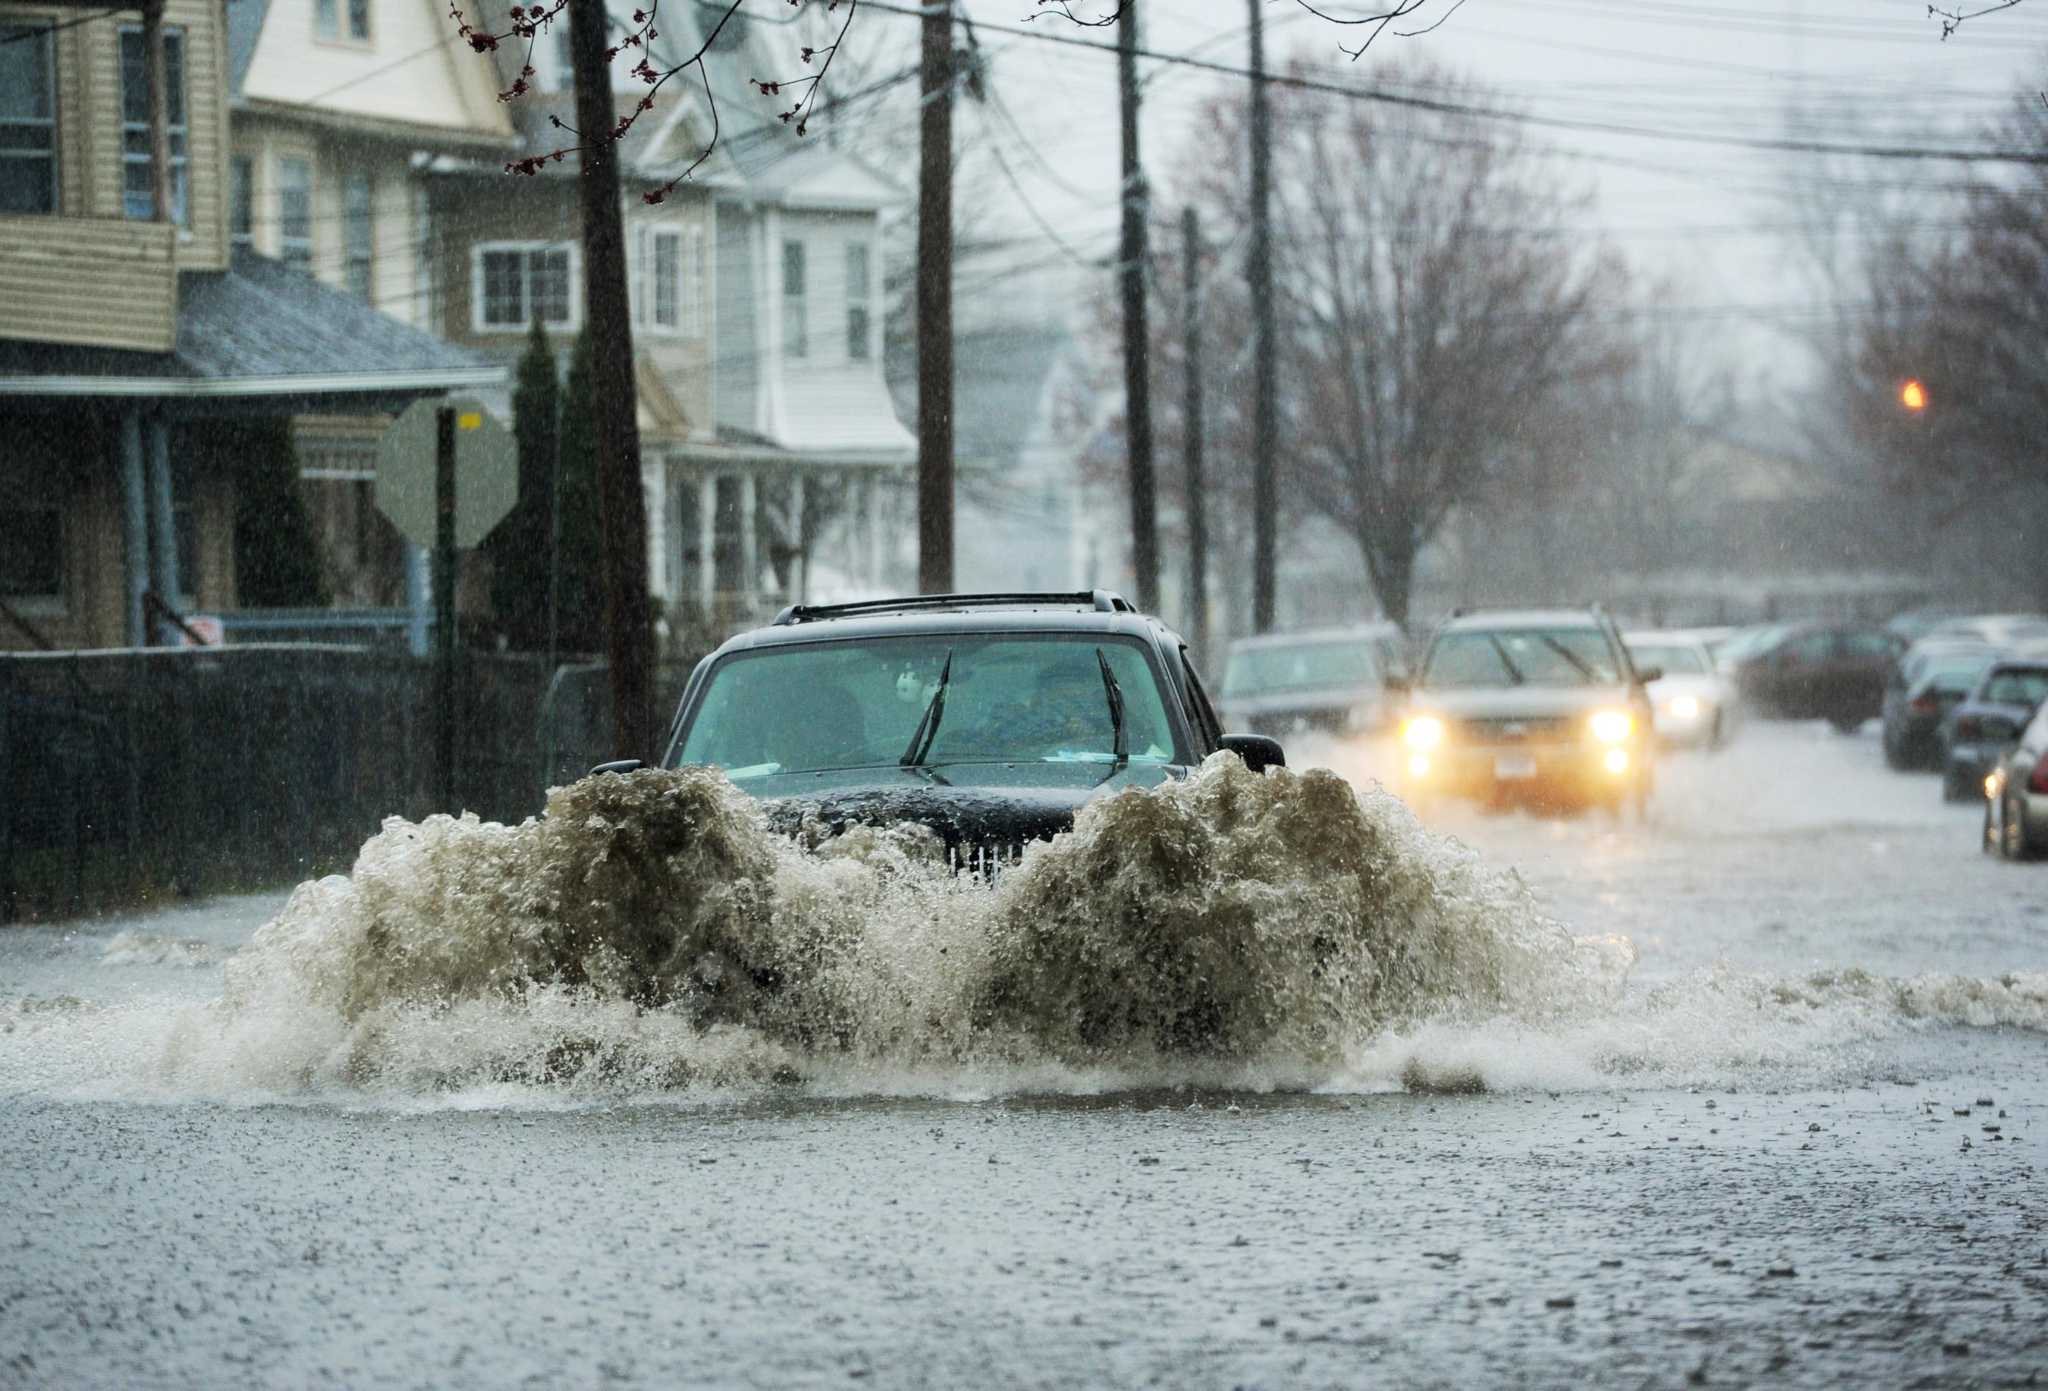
[486, 472]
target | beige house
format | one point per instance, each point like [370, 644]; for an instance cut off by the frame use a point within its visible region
[131, 327]
[374, 157]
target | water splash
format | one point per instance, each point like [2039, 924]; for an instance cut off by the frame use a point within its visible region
[649, 935]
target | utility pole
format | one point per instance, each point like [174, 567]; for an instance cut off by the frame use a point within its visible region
[607, 320]
[1191, 428]
[935, 302]
[1265, 383]
[1137, 342]
[444, 610]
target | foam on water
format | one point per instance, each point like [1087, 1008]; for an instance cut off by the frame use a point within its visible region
[649, 936]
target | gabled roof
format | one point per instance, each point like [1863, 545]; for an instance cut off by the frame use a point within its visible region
[258, 328]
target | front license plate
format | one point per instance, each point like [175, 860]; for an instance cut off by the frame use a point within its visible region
[1514, 765]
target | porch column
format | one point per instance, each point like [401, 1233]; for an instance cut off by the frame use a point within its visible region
[134, 527]
[163, 534]
[871, 515]
[707, 540]
[654, 506]
[800, 560]
[750, 560]
[419, 598]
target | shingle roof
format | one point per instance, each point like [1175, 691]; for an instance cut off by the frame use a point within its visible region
[261, 320]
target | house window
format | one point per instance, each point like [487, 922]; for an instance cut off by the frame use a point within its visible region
[658, 267]
[28, 121]
[356, 234]
[512, 283]
[327, 19]
[32, 554]
[857, 301]
[242, 200]
[138, 165]
[295, 213]
[796, 336]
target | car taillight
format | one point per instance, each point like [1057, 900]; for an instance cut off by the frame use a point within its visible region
[1924, 705]
[1968, 727]
[2037, 781]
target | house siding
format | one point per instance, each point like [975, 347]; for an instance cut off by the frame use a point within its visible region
[87, 275]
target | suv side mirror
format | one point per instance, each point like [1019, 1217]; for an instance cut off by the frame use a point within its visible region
[618, 765]
[1645, 675]
[1398, 684]
[1258, 752]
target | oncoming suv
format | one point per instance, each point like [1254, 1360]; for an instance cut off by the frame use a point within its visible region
[1530, 705]
[989, 718]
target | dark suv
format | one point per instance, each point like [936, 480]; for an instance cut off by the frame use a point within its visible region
[988, 718]
[1532, 705]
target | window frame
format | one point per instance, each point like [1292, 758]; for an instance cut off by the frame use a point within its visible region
[345, 22]
[177, 132]
[478, 304]
[48, 155]
[795, 308]
[241, 200]
[860, 341]
[648, 241]
[358, 235]
[295, 249]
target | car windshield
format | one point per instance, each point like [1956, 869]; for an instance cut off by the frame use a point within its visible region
[1308, 666]
[1750, 641]
[1522, 657]
[1676, 658]
[2016, 687]
[802, 708]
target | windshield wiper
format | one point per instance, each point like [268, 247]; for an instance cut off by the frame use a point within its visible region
[1584, 669]
[1515, 677]
[928, 726]
[1118, 746]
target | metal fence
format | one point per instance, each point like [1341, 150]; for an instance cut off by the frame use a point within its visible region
[134, 774]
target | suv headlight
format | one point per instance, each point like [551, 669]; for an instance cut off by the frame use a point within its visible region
[1612, 726]
[1422, 732]
[1685, 707]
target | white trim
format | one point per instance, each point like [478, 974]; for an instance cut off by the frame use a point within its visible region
[321, 384]
[477, 251]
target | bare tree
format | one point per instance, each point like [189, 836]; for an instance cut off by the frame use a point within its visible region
[1435, 315]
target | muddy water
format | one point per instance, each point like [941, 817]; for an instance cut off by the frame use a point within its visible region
[1255, 1083]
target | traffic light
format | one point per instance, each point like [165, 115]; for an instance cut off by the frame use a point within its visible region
[1913, 395]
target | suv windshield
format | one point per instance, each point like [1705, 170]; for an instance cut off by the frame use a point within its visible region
[802, 708]
[1307, 667]
[1522, 657]
[1674, 658]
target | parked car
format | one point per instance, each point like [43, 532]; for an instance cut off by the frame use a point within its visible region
[1995, 629]
[1978, 731]
[1922, 689]
[1827, 671]
[1346, 680]
[2016, 795]
[1536, 706]
[1736, 647]
[1692, 705]
[1914, 624]
[990, 719]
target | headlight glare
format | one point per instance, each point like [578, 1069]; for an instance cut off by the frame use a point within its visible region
[1422, 732]
[1686, 707]
[1613, 726]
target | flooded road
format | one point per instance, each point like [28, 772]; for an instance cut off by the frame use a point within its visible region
[1800, 1143]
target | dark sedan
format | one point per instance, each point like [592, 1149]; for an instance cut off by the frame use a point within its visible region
[1818, 671]
[1922, 689]
[1979, 730]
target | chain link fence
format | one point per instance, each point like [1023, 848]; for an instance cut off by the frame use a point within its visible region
[127, 776]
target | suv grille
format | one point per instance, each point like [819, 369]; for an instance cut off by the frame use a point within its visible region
[1521, 729]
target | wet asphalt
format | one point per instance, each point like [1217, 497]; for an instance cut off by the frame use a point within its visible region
[1869, 1213]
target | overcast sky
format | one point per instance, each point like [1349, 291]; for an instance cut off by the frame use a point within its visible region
[1707, 219]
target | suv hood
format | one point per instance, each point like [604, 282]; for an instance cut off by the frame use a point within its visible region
[975, 804]
[1511, 702]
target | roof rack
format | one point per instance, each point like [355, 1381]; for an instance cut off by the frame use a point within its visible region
[1101, 600]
